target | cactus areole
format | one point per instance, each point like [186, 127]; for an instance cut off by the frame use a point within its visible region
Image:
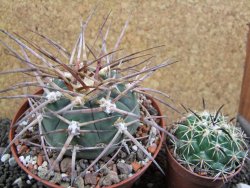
[208, 143]
[98, 134]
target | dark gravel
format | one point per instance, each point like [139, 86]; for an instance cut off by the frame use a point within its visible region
[8, 174]
[152, 178]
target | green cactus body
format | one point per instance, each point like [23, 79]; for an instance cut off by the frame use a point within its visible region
[209, 144]
[127, 103]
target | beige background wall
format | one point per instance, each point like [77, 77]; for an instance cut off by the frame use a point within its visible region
[207, 37]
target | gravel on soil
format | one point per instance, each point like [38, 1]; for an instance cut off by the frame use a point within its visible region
[12, 176]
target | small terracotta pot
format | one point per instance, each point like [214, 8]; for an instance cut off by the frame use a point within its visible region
[179, 177]
[123, 184]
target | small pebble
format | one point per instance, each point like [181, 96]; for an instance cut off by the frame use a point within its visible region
[152, 148]
[44, 164]
[124, 168]
[106, 159]
[131, 158]
[5, 157]
[83, 164]
[66, 165]
[1, 150]
[79, 182]
[56, 178]
[136, 166]
[18, 182]
[12, 161]
[90, 179]
[150, 185]
[65, 177]
[122, 154]
[110, 179]
[66, 185]
[22, 149]
[114, 168]
[56, 167]
[134, 147]
[140, 155]
[104, 171]
[123, 177]
[39, 160]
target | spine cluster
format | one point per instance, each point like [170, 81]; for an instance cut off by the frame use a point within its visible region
[208, 143]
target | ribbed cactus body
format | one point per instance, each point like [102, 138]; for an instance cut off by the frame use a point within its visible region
[127, 103]
[209, 143]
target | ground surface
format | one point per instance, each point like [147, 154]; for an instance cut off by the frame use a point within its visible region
[151, 179]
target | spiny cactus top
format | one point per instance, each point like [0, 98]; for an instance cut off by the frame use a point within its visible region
[90, 103]
[207, 142]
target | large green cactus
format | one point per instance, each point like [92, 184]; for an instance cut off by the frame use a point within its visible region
[208, 142]
[93, 100]
[127, 103]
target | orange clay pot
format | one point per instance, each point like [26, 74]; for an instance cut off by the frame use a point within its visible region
[179, 177]
[123, 184]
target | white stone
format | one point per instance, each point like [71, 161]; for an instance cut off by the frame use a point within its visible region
[25, 160]
[122, 161]
[242, 185]
[143, 163]
[30, 177]
[31, 129]
[63, 175]
[153, 131]
[45, 164]
[12, 161]
[23, 123]
[40, 168]
[18, 182]
[28, 158]
[34, 160]
[5, 157]
[130, 175]
[21, 158]
[134, 147]
[18, 147]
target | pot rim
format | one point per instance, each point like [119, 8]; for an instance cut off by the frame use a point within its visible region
[127, 181]
[173, 160]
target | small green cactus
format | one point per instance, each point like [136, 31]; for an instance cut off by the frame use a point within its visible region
[209, 142]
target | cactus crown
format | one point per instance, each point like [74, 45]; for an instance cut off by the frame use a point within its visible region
[208, 143]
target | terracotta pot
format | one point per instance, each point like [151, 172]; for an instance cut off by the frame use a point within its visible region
[179, 177]
[123, 184]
